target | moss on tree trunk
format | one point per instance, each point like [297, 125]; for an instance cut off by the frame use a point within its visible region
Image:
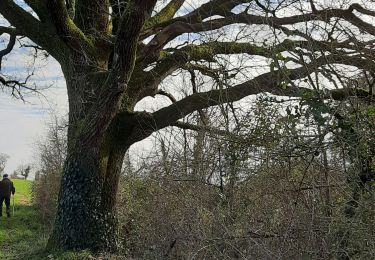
[86, 209]
[80, 223]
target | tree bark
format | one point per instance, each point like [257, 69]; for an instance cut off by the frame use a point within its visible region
[79, 202]
[91, 171]
[88, 197]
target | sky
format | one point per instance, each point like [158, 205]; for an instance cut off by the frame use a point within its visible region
[22, 123]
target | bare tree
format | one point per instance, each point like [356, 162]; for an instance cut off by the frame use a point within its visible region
[50, 154]
[3, 160]
[25, 171]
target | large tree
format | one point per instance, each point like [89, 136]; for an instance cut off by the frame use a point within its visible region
[115, 53]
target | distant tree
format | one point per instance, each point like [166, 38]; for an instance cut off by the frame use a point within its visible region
[3, 160]
[23, 170]
[26, 172]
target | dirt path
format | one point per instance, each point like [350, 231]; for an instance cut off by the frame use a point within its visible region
[22, 199]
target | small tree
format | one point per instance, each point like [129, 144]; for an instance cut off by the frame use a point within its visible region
[23, 170]
[3, 160]
[50, 154]
[26, 172]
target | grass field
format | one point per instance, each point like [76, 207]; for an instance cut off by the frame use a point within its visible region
[24, 232]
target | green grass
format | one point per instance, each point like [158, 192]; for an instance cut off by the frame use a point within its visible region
[23, 190]
[24, 232]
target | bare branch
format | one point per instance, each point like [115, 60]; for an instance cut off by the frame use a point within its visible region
[17, 86]
[127, 37]
[168, 95]
[208, 129]
[10, 46]
[164, 15]
[180, 58]
[8, 30]
[179, 27]
[270, 82]
[212, 8]
[27, 25]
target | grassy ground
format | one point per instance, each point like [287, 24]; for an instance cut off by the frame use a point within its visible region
[23, 232]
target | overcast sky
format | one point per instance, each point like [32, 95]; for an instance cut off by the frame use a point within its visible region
[22, 123]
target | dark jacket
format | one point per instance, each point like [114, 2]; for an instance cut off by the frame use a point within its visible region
[6, 188]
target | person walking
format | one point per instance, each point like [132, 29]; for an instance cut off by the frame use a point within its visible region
[6, 189]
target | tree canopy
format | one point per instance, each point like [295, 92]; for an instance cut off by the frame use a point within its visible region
[300, 39]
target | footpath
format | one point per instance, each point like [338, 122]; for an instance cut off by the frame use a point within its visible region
[23, 233]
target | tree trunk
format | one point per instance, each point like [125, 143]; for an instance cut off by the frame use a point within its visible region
[86, 210]
[79, 221]
[86, 216]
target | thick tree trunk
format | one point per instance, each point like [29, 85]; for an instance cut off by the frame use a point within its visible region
[86, 210]
[111, 180]
[85, 215]
[79, 221]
